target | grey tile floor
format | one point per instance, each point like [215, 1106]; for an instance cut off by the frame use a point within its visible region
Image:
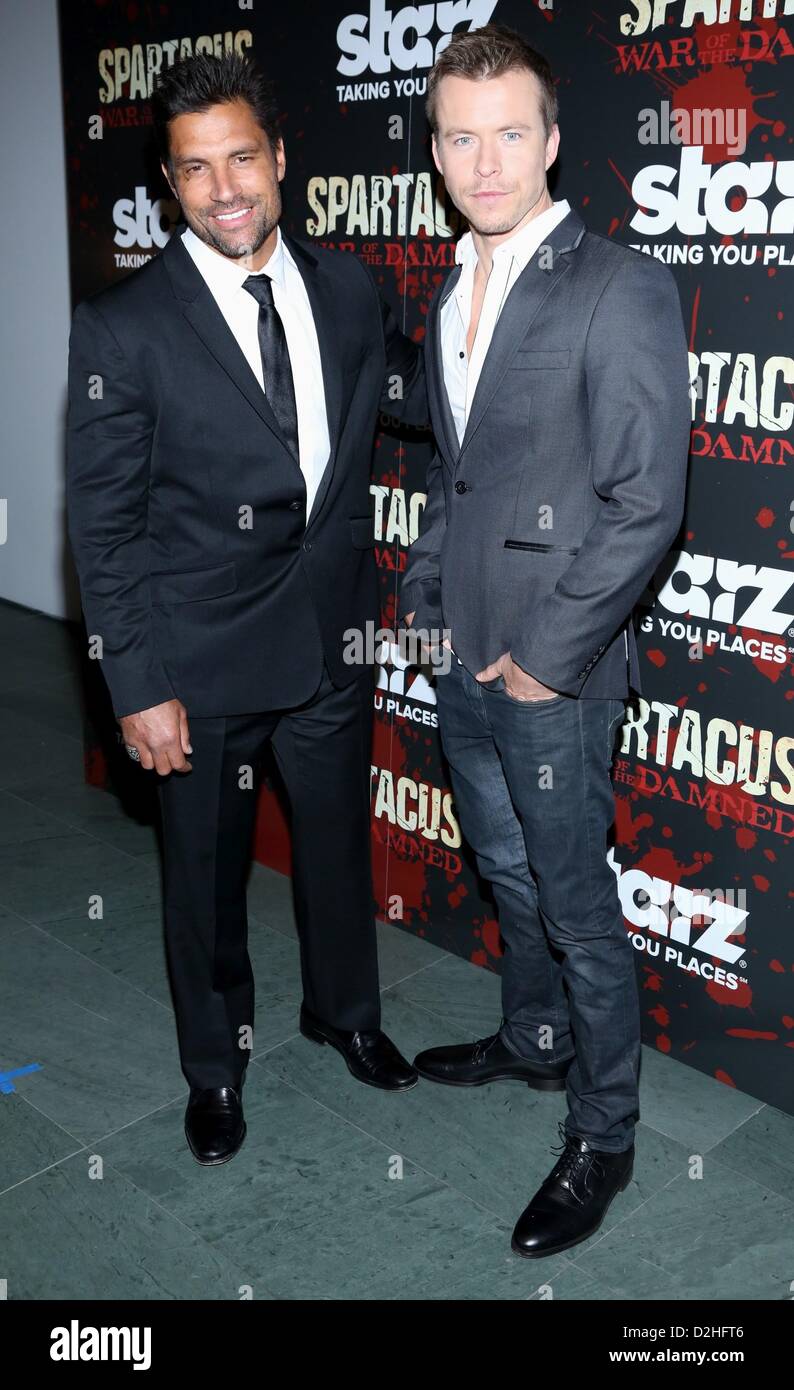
[339, 1191]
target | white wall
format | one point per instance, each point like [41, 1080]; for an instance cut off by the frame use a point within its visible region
[35, 568]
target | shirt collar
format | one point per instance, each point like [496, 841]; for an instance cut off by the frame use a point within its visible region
[522, 245]
[223, 274]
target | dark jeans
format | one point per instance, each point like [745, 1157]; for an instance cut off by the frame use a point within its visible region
[323, 749]
[532, 787]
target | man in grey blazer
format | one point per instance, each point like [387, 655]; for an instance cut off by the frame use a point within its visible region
[559, 395]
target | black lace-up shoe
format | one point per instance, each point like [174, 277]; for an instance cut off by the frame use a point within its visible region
[370, 1056]
[572, 1202]
[214, 1123]
[474, 1064]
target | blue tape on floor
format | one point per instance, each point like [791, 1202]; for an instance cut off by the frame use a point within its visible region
[6, 1086]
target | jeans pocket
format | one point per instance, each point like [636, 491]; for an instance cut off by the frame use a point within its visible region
[541, 700]
[615, 720]
[618, 715]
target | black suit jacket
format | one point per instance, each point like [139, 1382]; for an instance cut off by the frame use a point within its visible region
[186, 511]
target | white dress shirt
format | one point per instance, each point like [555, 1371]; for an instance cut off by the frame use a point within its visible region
[509, 258]
[224, 277]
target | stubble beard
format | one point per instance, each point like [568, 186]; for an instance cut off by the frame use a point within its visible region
[266, 219]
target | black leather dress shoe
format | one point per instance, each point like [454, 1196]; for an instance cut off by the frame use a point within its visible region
[214, 1123]
[371, 1056]
[473, 1064]
[572, 1202]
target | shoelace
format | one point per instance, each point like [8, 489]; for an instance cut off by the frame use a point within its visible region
[573, 1163]
[482, 1048]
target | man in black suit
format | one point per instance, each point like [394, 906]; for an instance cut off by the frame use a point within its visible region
[222, 406]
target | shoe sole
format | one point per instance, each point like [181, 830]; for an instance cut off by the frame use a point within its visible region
[568, 1244]
[539, 1084]
[213, 1162]
[315, 1036]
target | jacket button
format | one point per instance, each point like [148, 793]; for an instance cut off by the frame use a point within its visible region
[461, 487]
[307, 545]
[295, 506]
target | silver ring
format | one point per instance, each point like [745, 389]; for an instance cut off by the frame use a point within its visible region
[133, 752]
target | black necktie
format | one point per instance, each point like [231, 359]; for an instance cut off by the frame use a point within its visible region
[276, 366]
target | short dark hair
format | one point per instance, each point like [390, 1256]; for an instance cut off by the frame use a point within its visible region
[196, 84]
[490, 52]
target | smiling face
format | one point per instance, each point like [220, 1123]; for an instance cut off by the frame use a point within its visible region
[227, 178]
[491, 147]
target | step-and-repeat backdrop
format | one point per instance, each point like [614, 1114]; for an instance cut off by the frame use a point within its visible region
[676, 122]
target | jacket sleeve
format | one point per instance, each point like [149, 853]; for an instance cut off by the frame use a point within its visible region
[637, 379]
[404, 391]
[405, 369]
[108, 442]
[420, 590]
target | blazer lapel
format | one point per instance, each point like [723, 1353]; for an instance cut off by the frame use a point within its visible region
[440, 409]
[535, 282]
[202, 313]
[325, 312]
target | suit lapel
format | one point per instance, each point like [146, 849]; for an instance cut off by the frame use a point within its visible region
[440, 409]
[202, 313]
[325, 312]
[535, 282]
[205, 318]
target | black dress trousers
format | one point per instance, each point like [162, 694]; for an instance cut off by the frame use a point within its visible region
[323, 749]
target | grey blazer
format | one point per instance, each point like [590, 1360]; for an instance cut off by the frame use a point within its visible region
[541, 532]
